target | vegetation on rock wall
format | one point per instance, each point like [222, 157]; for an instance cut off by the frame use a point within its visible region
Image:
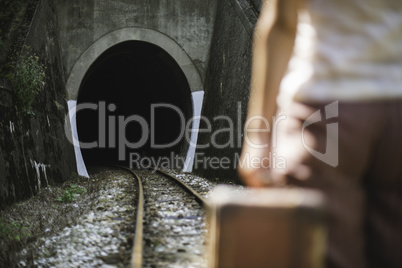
[15, 21]
[27, 80]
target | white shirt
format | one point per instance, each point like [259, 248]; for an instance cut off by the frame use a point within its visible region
[346, 50]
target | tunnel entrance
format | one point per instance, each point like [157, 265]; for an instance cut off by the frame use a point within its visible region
[133, 101]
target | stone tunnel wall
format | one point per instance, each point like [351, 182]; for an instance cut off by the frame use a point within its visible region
[188, 22]
[33, 149]
[227, 89]
[216, 35]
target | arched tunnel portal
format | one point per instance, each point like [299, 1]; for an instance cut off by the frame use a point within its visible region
[133, 100]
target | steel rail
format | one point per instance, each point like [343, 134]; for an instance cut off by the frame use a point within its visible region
[137, 251]
[201, 199]
[136, 254]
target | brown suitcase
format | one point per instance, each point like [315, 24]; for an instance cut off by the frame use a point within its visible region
[274, 228]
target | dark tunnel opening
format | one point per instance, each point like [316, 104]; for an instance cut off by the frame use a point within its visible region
[116, 113]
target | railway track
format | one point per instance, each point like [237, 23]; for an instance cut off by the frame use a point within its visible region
[131, 219]
[170, 227]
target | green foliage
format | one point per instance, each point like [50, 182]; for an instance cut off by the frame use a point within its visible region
[10, 230]
[27, 80]
[70, 193]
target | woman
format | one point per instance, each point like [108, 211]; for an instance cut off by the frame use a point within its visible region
[342, 97]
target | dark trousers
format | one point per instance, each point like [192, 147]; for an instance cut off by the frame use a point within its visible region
[364, 189]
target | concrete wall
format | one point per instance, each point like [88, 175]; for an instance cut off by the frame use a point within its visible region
[227, 88]
[113, 38]
[188, 22]
[183, 28]
[216, 36]
[33, 149]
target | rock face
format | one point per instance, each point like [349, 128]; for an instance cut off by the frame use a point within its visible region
[227, 88]
[34, 151]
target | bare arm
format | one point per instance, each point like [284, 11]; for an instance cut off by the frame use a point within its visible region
[273, 44]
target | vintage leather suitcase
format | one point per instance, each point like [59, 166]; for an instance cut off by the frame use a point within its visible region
[266, 228]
